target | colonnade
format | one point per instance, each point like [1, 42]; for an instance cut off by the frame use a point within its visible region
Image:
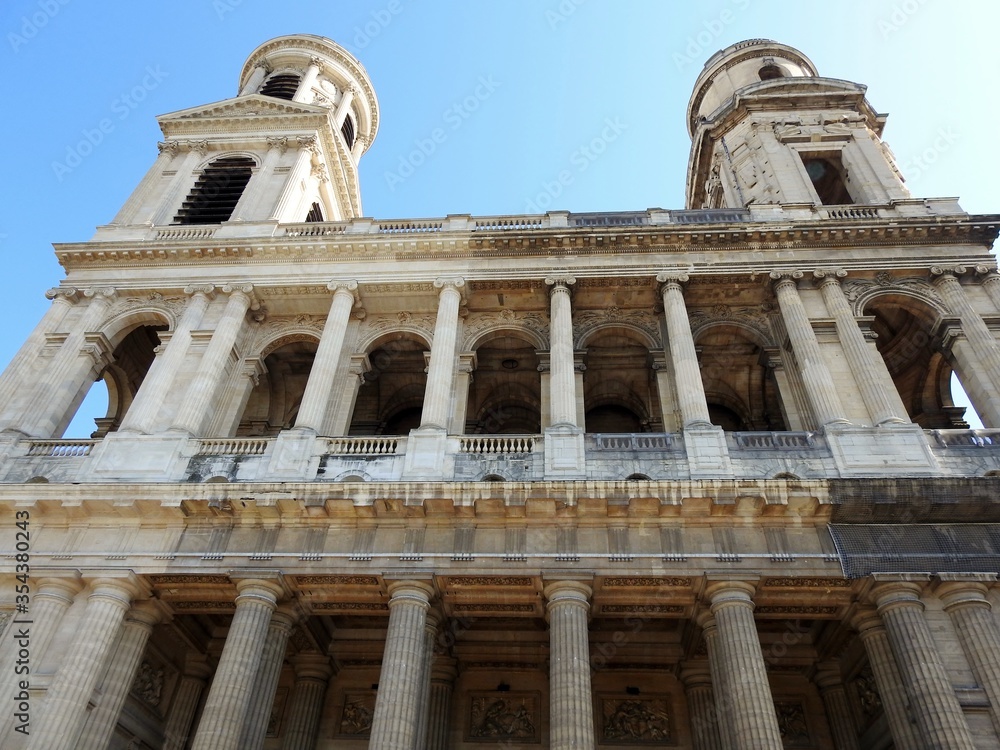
[44, 396]
[730, 705]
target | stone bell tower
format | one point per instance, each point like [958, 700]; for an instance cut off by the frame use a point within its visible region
[285, 149]
[767, 129]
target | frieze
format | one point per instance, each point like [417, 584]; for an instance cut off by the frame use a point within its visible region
[797, 610]
[491, 607]
[397, 289]
[337, 580]
[502, 717]
[212, 606]
[642, 609]
[586, 321]
[819, 583]
[490, 286]
[490, 581]
[186, 580]
[294, 291]
[499, 665]
[635, 721]
[148, 684]
[351, 606]
[628, 581]
[356, 718]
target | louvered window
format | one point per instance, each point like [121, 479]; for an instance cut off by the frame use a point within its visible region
[216, 191]
[347, 130]
[281, 86]
[315, 213]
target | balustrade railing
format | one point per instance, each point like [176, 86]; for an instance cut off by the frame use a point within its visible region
[61, 448]
[637, 441]
[967, 438]
[407, 227]
[498, 443]
[185, 233]
[507, 223]
[776, 440]
[233, 446]
[314, 229]
[362, 446]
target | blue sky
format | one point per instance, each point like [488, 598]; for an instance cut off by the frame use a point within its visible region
[519, 89]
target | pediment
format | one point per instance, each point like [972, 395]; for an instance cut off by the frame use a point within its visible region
[254, 105]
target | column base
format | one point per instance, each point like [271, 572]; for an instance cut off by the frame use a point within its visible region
[138, 458]
[564, 453]
[427, 455]
[708, 455]
[887, 450]
[292, 458]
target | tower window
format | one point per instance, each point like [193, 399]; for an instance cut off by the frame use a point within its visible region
[347, 130]
[216, 192]
[770, 72]
[315, 213]
[827, 176]
[281, 86]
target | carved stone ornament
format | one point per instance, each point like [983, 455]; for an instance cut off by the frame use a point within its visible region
[501, 717]
[867, 691]
[859, 291]
[635, 721]
[586, 321]
[746, 316]
[479, 323]
[792, 724]
[356, 718]
[148, 684]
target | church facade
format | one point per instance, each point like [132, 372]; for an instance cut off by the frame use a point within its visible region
[684, 478]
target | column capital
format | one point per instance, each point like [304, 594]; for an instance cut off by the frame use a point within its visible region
[278, 142]
[311, 666]
[944, 273]
[726, 591]
[559, 282]
[345, 286]
[197, 667]
[957, 590]
[255, 587]
[118, 591]
[316, 62]
[415, 592]
[784, 279]
[444, 669]
[696, 674]
[62, 587]
[308, 143]
[449, 282]
[285, 616]
[105, 293]
[866, 621]
[126, 582]
[829, 676]
[829, 275]
[892, 594]
[168, 147]
[68, 293]
[568, 591]
[206, 289]
[672, 279]
[148, 613]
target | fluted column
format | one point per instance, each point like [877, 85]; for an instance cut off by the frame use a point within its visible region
[443, 673]
[302, 94]
[65, 707]
[312, 674]
[697, 679]
[167, 151]
[344, 106]
[991, 283]
[197, 403]
[321, 386]
[887, 678]
[441, 371]
[816, 375]
[964, 600]
[977, 333]
[231, 692]
[52, 597]
[19, 371]
[266, 682]
[747, 701]
[838, 710]
[687, 373]
[183, 179]
[720, 693]
[77, 361]
[254, 81]
[248, 207]
[155, 388]
[869, 370]
[430, 636]
[562, 378]
[395, 722]
[307, 146]
[125, 660]
[571, 720]
[938, 715]
[185, 704]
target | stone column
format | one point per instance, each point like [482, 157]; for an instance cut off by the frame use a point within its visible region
[887, 678]
[307, 146]
[430, 636]
[185, 704]
[704, 720]
[312, 674]
[127, 213]
[395, 723]
[687, 373]
[65, 707]
[52, 597]
[198, 400]
[272, 658]
[182, 181]
[838, 710]
[441, 372]
[78, 360]
[231, 693]
[320, 386]
[344, 106]
[443, 673]
[247, 207]
[964, 600]
[304, 91]
[467, 362]
[254, 81]
[710, 632]
[991, 283]
[562, 378]
[126, 657]
[746, 701]
[983, 344]
[815, 375]
[869, 370]
[155, 388]
[938, 715]
[571, 710]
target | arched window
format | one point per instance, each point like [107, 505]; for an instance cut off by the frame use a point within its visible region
[216, 192]
[770, 72]
[828, 178]
[281, 86]
[347, 130]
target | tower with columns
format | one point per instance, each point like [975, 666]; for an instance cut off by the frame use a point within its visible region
[685, 478]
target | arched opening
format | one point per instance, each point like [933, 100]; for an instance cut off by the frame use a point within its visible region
[281, 86]
[216, 192]
[505, 393]
[828, 177]
[619, 385]
[919, 368]
[770, 72]
[740, 388]
[274, 402]
[390, 402]
[347, 130]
